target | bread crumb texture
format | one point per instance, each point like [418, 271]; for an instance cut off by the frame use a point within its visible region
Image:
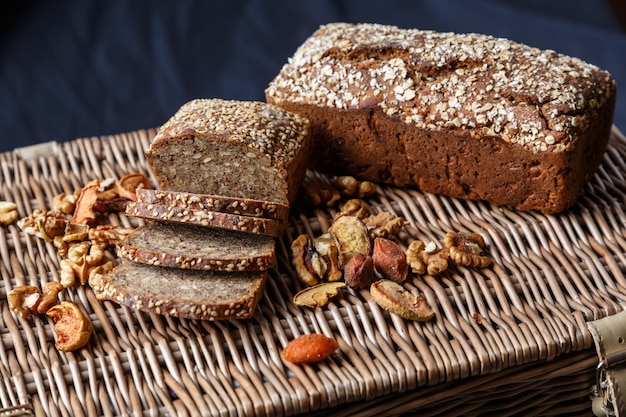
[539, 99]
[185, 293]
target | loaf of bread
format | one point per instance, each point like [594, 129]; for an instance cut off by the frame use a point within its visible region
[173, 214]
[191, 201]
[466, 115]
[185, 293]
[202, 248]
[233, 148]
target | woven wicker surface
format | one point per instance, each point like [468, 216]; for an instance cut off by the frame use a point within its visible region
[529, 353]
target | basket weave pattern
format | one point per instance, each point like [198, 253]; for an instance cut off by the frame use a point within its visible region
[506, 340]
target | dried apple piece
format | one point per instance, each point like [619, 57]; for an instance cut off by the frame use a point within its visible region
[396, 299]
[83, 213]
[72, 326]
[128, 184]
[317, 295]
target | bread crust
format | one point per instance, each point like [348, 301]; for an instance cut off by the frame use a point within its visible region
[212, 146]
[200, 248]
[470, 116]
[170, 214]
[192, 201]
[216, 295]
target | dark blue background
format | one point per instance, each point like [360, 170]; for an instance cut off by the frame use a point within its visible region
[73, 69]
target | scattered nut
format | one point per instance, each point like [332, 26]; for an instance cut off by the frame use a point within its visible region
[72, 326]
[8, 212]
[43, 224]
[466, 249]
[326, 245]
[64, 203]
[389, 260]
[309, 348]
[106, 235]
[359, 271]
[317, 295]
[84, 258]
[23, 300]
[352, 236]
[384, 224]
[414, 257]
[322, 194]
[366, 189]
[436, 262]
[299, 248]
[49, 297]
[394, 298]
[355, 207]
[7, 206]
[427, 258]
[348, 186]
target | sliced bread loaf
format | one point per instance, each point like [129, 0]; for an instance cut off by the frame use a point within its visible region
[171, 214]
[202, 248]
[239, 149]
[185, 293]
[192, 201]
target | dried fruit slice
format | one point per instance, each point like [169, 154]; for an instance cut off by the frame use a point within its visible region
[317, 295]
[352, 236]
[73, 327]
[394, 298]
[309, 348]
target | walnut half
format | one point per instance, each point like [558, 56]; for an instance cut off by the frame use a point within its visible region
[467, 249]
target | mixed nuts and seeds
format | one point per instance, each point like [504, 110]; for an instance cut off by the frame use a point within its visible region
[72, 225]
[361, 251]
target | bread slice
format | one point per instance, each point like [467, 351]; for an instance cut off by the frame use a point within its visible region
[185, 293]
[224, 204]
[171, 214]
[202, 248]
[240, 149]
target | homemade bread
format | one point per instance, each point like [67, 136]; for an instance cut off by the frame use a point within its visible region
[191, 201]
[467, 115]
[172, 214]
[202, 248]
[185, 293]
[236, 149]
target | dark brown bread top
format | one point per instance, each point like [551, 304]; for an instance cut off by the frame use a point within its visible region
[538, 99]
[233, 148]
[191, 201]
[185, 293]
[201, 248]
[171, 214]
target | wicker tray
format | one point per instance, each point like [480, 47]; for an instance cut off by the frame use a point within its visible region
[531, 353]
